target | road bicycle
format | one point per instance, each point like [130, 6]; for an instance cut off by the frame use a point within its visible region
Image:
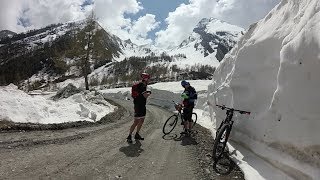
[220, 142]
[172, 121]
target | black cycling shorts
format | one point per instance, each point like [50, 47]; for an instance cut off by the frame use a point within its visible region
[140, 111]
[187, 113]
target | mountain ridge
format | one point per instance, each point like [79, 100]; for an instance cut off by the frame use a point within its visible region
[6, 34]
[55, 52]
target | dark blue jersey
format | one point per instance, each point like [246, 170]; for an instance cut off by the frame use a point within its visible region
[192, 96]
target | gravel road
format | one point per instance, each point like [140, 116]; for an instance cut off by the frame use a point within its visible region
[101, 152]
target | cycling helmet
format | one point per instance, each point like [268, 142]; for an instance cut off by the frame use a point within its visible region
[145, 76]
[184, 83]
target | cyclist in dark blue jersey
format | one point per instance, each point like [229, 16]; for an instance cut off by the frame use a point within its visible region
[189, 96]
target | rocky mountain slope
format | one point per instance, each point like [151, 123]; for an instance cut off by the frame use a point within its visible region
[6, 34]
[54, 51]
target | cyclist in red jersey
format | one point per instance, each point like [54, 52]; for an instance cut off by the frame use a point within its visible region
[139, 94]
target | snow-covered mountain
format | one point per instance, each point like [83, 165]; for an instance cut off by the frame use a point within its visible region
[54, 53]
[129, 49]
[274, 72]
[210, 40]
[6, 34]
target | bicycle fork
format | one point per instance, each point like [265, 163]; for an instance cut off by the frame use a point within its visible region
[226, 135]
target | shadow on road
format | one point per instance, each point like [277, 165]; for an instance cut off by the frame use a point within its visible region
[169, 136]
[132, 150]
[185, 140]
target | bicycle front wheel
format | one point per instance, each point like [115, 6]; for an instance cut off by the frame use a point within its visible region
[170, 124]
[220, 142]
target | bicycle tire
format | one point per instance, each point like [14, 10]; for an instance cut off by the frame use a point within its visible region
[171, 125]
[218, 146]
[194, 120]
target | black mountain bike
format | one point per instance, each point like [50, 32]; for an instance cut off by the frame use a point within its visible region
[222, 136]
[172, 121]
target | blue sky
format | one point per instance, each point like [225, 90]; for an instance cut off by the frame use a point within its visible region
[159, 8]
[87, 3]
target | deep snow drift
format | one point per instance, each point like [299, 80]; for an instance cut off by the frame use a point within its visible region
[18, 106]
[274, 72]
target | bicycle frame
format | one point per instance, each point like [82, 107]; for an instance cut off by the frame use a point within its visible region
[227, 120]
[229, 113]
[180, 114]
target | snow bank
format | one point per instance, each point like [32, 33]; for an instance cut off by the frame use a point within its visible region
[274, 73]
[200, 85]
[17, 106]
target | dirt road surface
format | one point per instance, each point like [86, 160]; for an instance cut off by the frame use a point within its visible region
[101, 152]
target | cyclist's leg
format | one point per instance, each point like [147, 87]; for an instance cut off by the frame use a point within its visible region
[137, 116]
[134, 125]
[140, 120]
[190, 118]
[187, 117]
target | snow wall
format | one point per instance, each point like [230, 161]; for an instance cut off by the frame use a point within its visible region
[274, 72]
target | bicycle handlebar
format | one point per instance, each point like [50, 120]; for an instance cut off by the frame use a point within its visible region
[223, 107]
[175, 103]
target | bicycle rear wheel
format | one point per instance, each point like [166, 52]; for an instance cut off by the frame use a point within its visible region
[220, 142]
[223, 165]
[170, 124]
[194, 119]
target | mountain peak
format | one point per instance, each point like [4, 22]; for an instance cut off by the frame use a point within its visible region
[213, 25]
[205, 21]
[212, 38]
[128, 41]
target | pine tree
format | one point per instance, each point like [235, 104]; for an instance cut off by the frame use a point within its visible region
[89, 33]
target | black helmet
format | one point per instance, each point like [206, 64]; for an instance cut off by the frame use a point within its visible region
[184, 83]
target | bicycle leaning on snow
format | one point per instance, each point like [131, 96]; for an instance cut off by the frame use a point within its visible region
[222, 135]
[172, 121]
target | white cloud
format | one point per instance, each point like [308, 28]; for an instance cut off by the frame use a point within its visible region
[9, 14]
[43, 12]
[111, 16]
[22, 15]
[182, 21]
[143, 25]
[111, 12]
[39, 13]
